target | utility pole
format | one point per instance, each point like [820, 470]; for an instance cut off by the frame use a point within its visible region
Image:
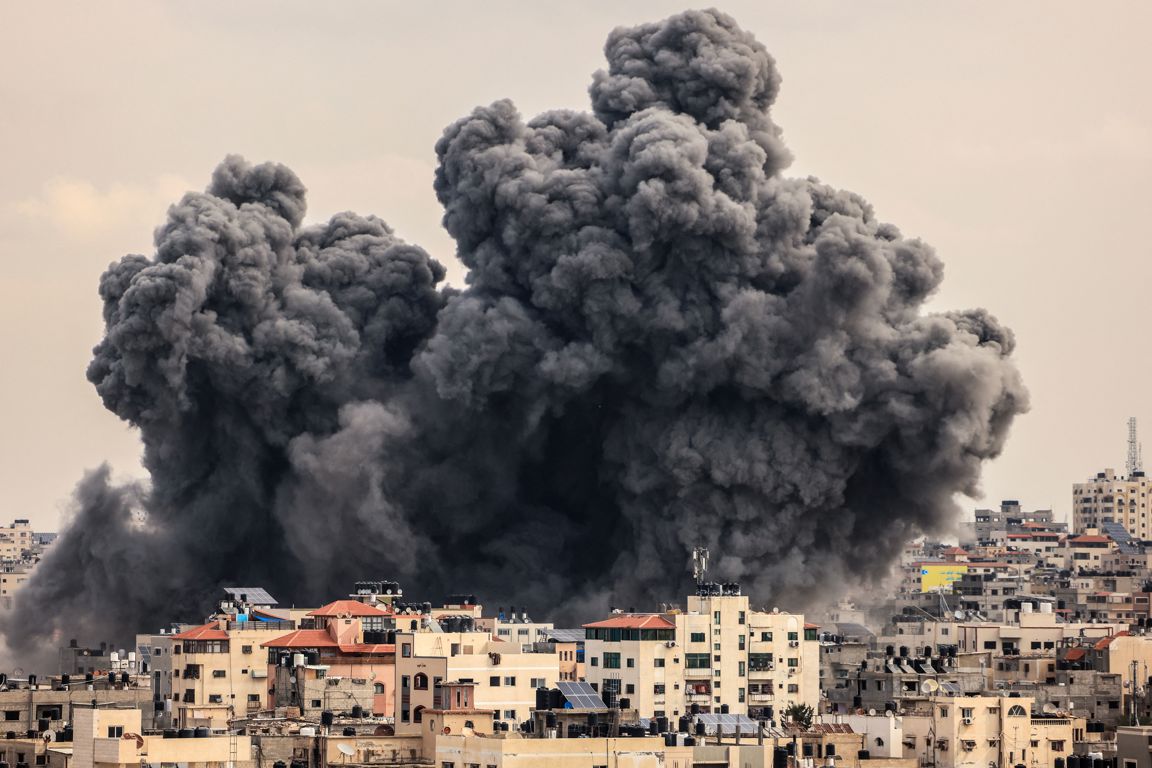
[1135, 461]
[1132, 694]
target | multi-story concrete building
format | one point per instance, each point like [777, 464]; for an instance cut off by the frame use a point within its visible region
[723, 655]
[950, 732]
[504, 675]
[1112, 498]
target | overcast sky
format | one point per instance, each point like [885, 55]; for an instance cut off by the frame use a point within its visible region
[1014, 137]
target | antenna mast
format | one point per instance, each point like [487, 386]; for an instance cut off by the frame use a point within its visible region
[699, 564]
[1135, 450]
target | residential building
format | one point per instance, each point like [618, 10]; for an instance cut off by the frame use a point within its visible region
[1111, 498]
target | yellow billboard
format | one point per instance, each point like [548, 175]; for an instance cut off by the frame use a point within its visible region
[938, 577]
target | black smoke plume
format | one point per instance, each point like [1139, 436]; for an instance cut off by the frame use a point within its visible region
[663, 342]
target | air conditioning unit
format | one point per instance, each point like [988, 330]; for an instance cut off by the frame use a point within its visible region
[670, 644]
[793, 643]
[967, 721]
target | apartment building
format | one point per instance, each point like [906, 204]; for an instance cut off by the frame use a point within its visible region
[637, 657]
[1111, 498]
[505, 675]
[951, 732]
[723, 657]
[106, 737]
[568, 645]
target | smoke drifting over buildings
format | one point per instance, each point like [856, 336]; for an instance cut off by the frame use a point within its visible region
[663, 342]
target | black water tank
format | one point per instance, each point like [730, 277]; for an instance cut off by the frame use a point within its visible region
[171, 733]
[65, 735]
[1058, 763]
[695, 709]
[683, 724]
[111, 679]
[625, 703]
[279, 764]
[349, 731]
[593, 720]
[202, 733]
[125, 678]
[555, 699]
[42, 725]
[327, 718]
[669, 739]
[65, 679]
[88, 677]
[1098, 763]
[662, 724]
[654, 727]
[1073, 761]
[808, 750]
[33, 733]
[504, 726]
[542, 699]
[186, 733]
[780, 757]
[357, 711]
[689, 741]
[863, 754]
[700, 729]
[723, 709]
[550, 719]
[31, 681]
[313, 658]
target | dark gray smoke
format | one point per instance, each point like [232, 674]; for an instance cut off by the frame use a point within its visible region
[663, 342]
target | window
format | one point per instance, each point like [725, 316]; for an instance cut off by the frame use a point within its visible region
[1017, 711]
[658, 663]
[693, 661]
[378, 688]
[989, 645]
[740, 695]
[254, 698]
[494, 681]
[317, 703]
[595, 661]
[1058, 745]
[11, 714]
[215, 698]
[715, 646]
[629, 688]
[245, 649]
[218, 673]
[114, 731]
[698, 637]
[631, 663]
[741, 639]
[740, 669]
[793, 636]
[510, 681]
[406, 650]
[793, 662]
[716, 658]
[509, 714]
[420, 681]
[611, 661]
[716, 617]
[765, 637]
[740, 617]
[658, 689]
[538, 682]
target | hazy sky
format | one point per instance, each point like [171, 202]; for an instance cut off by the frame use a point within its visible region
[1014, 137]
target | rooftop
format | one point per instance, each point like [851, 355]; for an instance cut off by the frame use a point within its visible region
[633, 621]
[349, 608]
[209, 631]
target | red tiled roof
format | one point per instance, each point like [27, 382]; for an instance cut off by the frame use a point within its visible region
[1107, 641]
[1088, 539]
[1075, 654]
[349, 608]
[302, 638]
[209, 631]
[811, 626]
[374, 648]
[633, 621]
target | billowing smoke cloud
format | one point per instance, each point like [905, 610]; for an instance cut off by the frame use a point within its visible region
[663, 342]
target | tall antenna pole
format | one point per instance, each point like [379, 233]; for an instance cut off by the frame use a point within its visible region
[1135, 459]
[699, 564]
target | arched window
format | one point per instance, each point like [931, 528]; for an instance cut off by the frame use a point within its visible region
[420, 682]
[1016, 711]
[378, 688]
[418, 714]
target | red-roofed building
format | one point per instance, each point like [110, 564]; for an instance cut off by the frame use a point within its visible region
[650, 621]
[343, 657]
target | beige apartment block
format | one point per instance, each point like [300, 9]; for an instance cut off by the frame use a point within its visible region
[1031, 632]
[637, 657]
[1002, 731]
[214, 675]
[113, 738]
[1108, 498]
[505, 676]
[725, 657]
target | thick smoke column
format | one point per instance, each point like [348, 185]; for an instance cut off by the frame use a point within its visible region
[664, 342]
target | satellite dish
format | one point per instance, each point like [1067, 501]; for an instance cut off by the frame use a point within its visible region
[346, 750]
[871, 713]
[929, 686]
[1049, 709]
[959, 615]
[889, 714]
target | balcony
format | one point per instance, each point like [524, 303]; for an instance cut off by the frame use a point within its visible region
[698, 698]
[761, 698]
[706, 672]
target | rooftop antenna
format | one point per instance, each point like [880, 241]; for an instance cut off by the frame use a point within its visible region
[1135, 450]
[699, 563]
